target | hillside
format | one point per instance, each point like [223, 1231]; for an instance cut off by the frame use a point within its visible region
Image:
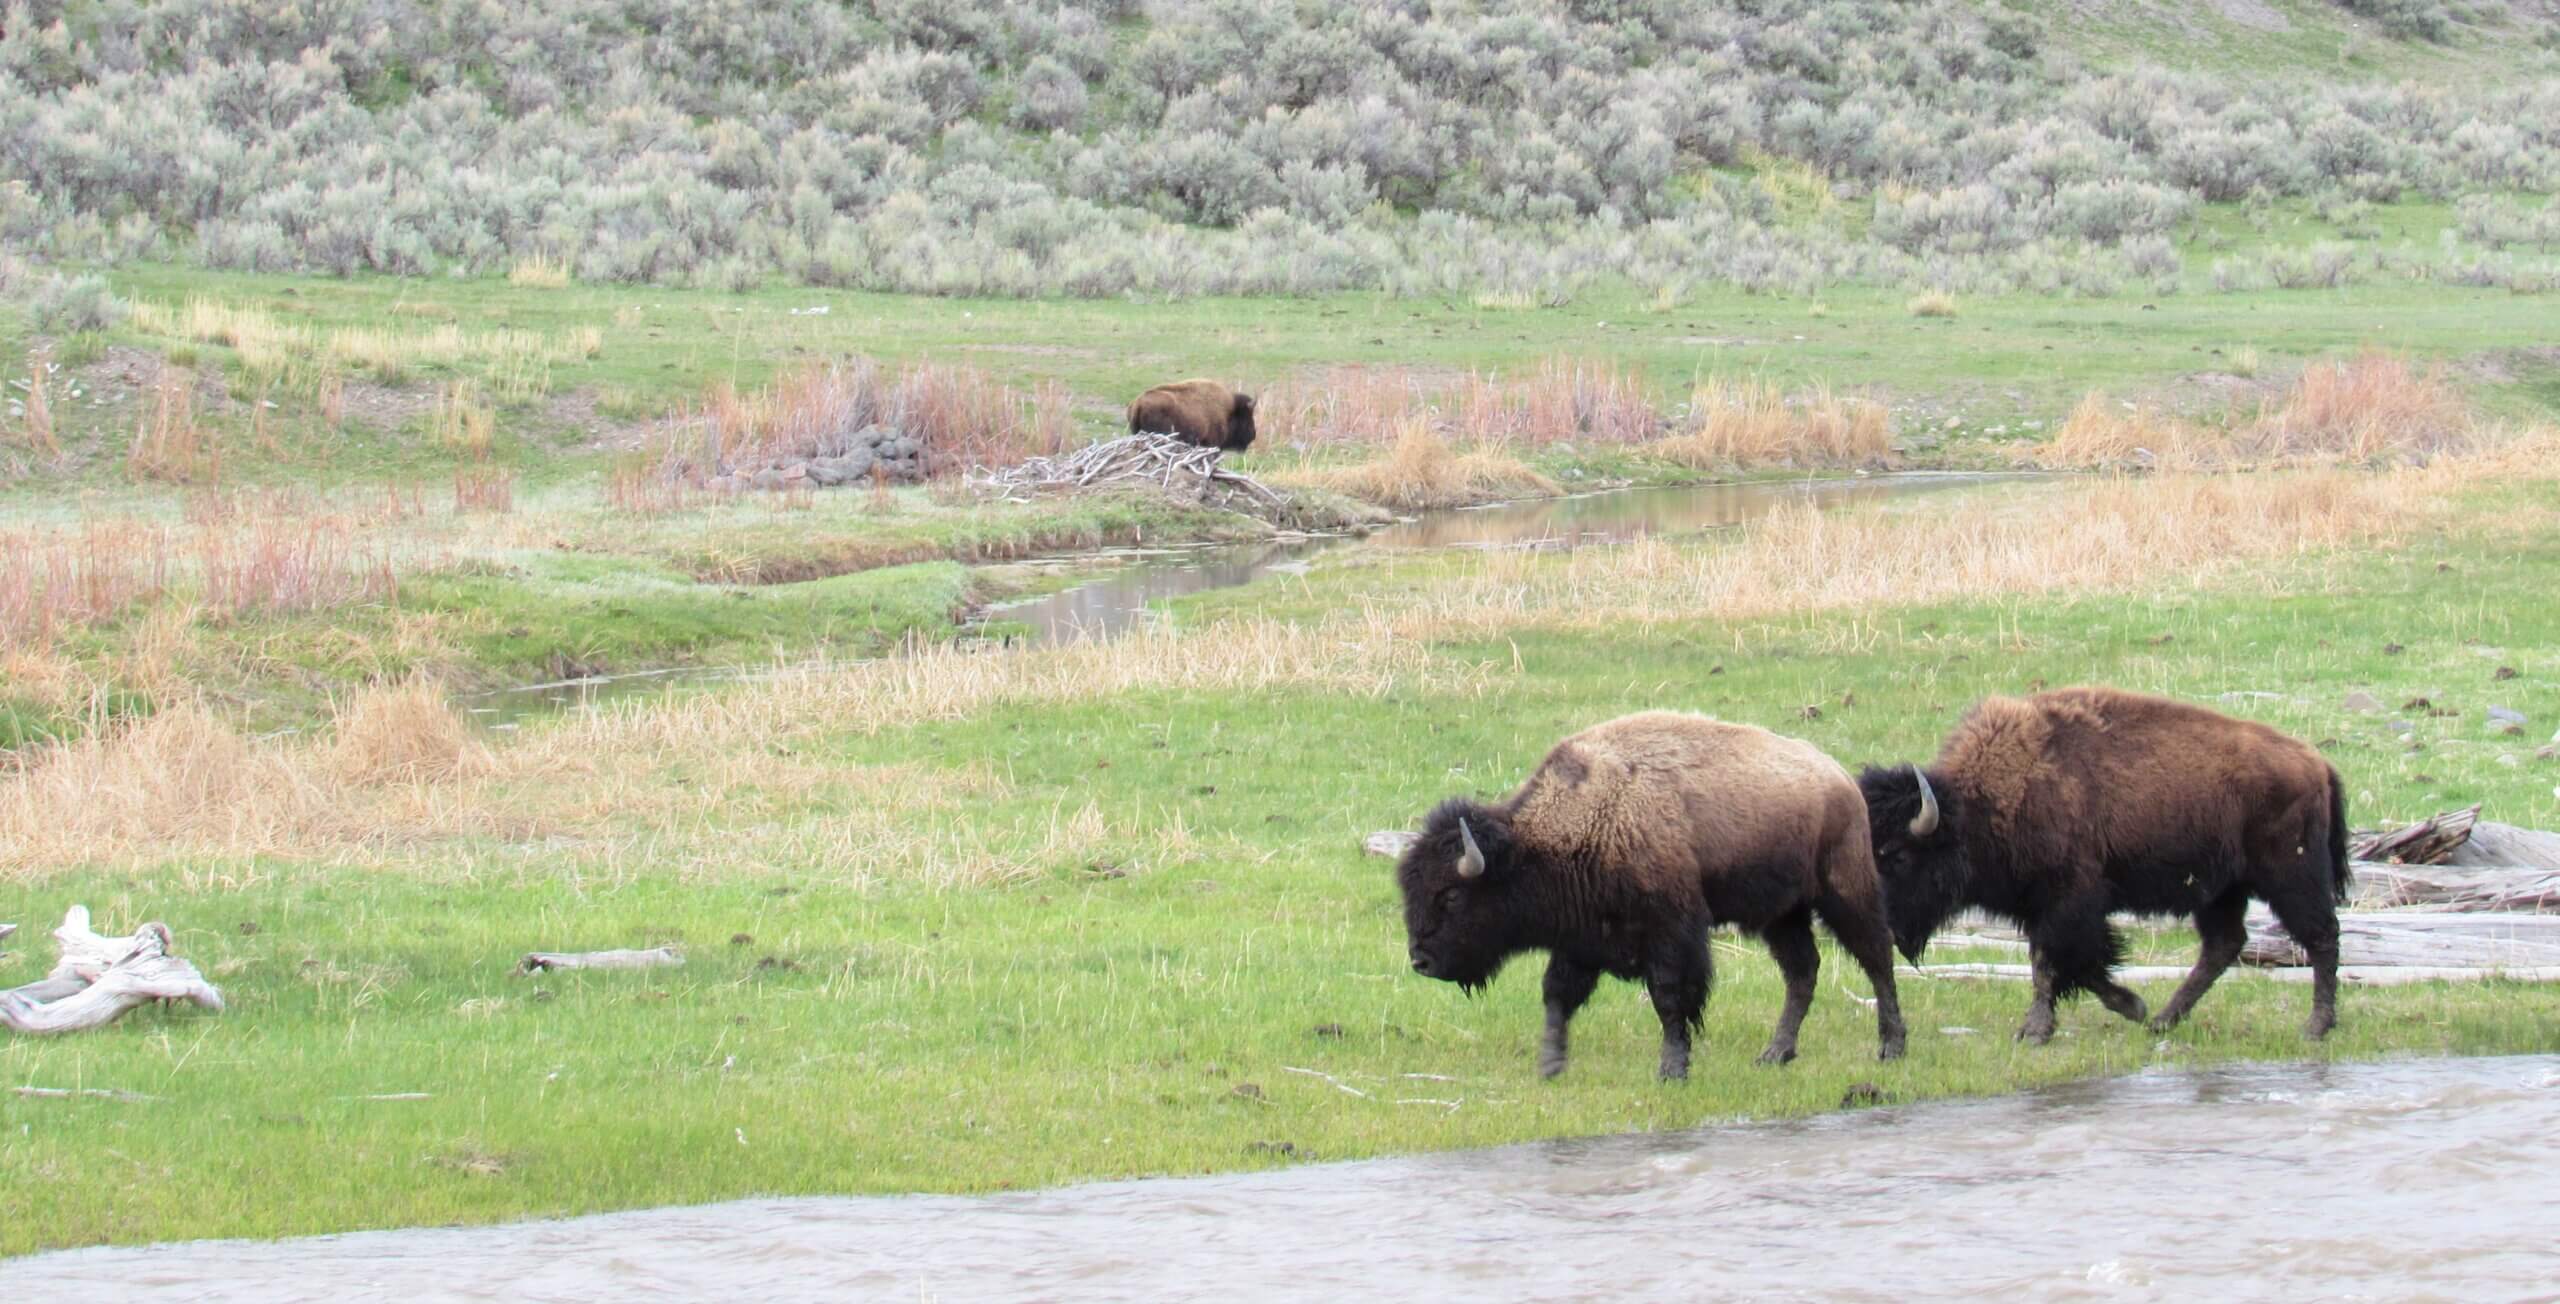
[1103, 147]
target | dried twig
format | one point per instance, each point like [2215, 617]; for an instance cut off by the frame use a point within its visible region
[75, 1093]
[1338, 1084]
[1158, 461]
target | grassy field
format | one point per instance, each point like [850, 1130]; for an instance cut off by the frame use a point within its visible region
[970, 922]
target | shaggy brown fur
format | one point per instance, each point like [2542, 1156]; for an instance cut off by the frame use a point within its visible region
[1201, 412]
[1630, 841]
[2056, 809]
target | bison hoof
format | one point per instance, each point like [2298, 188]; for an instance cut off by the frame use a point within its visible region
[1548, 1068]
[2318, 1027]
[2036, 1032]
[1891, 1050]
[1777, 1055]
[2164, 1021]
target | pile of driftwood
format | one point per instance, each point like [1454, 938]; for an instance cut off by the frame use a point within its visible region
[99, 978]
[1182, 470]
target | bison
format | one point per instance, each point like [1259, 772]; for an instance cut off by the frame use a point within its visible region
[1631, 840]
[2055, 809]
[1201, 412]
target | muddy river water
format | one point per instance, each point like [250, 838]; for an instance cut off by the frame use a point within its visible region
[2433, 1179]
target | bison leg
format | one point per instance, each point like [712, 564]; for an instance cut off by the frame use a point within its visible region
[1864, 936]
[1568, 986]
[2223, 925]
[2073, 947]
[2310, 915]
[1790, 942]
[1678, 976]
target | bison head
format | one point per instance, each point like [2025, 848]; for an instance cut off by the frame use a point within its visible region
[1240, 424]
[1918, 833]
[1459, 880]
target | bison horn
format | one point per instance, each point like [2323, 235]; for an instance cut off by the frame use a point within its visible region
[1926, 822]
[1470, 864]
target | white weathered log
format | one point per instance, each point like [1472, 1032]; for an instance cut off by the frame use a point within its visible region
[2421, 939]
[2425, 842]
[2356, 975]
[98, 978]
[1977, 942]
[2504, 845]
[2447, 889]
[655, 958]
[135, 981]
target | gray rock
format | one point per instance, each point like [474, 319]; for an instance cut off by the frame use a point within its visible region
[827, 472]
[2403, 727]
[2363, 702]
[768, 478]
[2502, 715]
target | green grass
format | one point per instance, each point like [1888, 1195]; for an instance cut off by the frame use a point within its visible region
[1105, 1017]
[2003, 358]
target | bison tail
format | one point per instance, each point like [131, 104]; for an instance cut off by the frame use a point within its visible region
[2340, 868]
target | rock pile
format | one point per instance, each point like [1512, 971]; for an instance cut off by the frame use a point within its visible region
[874, 451]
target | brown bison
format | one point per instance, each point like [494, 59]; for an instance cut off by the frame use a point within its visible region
[2056, 809]
[1201, 412]
[1634, 838]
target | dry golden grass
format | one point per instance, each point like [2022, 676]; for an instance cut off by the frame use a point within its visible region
[463, 423]
[1752, 423]
[2104, 434]
[539, 273]
[403, 733]
[2369, 409]
[1422, 471]
[2110, 536]
[168, 443]
[302, 359]
[1559, 399]
[719, 783]
[960, 417]
[486, 489]
[1932, 303]
[37, 428]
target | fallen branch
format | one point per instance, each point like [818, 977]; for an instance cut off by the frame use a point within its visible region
[2442, 888]
[99, 978]
[1338, 1084]
[655, 958]
[2496, 845]
[78, 1093]
[2426, 842]
[2417, 939]
[1154, 461]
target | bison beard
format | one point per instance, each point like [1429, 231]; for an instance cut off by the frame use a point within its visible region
[1627, 845]
[2057, 809]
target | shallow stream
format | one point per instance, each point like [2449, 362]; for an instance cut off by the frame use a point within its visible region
[2425, 1179]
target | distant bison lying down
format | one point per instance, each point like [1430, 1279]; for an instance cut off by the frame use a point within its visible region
[2055, 809]
[1202, 412]
[1635, 837]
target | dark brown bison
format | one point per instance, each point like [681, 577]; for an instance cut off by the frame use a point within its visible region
[2056, 809]
[1201, 412]
[1634, 838]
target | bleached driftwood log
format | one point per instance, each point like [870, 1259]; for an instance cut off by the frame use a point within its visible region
[2426, 842]
[2361, 975]
[2504, 845]
[99, 978]
[2442, 888]
[655, 958]
[2462, 941]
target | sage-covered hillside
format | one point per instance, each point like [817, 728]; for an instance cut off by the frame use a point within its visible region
[1516, 149]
